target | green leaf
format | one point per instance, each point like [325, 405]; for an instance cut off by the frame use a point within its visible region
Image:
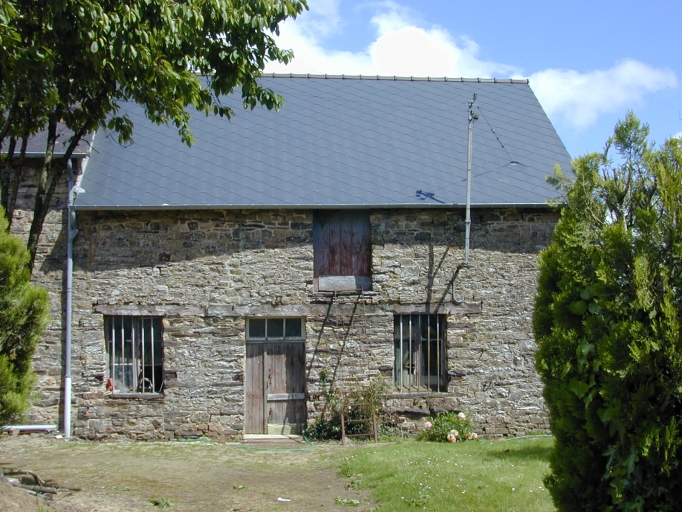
[587, 293]
[585, 348]
[578, 387]
[593, 307]
[94, 47]
[578, 307]
[604, 415]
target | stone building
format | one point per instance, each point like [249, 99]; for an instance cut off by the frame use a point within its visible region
[214, 286]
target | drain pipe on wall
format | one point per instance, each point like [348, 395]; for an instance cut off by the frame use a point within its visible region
[71, 233]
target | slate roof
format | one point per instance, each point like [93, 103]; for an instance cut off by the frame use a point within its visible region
[338, 142]
[35, 147]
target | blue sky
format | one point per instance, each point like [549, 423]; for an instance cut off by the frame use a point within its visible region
[587, 61]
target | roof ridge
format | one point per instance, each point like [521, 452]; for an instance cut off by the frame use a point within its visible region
[396, 78]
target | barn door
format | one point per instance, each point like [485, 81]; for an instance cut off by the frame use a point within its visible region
[275, 388]
[342, 252]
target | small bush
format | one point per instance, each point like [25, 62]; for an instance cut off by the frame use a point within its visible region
[447, 427]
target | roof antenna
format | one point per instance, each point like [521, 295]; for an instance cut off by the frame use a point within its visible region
[472, 117]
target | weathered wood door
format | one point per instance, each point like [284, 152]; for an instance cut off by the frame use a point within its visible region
[342, 250]
[274, 388]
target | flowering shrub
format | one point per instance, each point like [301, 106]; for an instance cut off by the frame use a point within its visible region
[447, 427]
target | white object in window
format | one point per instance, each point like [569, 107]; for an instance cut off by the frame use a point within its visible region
[420, 355]
[135, 354]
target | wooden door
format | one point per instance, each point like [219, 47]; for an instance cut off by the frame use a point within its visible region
[254, 405]
[342, 252]
[275, 388]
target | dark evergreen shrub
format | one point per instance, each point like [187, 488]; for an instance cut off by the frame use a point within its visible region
[23, 317]
[607, 322]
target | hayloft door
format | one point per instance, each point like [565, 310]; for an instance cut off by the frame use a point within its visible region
[275, 387]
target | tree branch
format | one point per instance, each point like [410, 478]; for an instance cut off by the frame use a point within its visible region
[4, 177]
[10, 119]
[41, 206]
[15, 179]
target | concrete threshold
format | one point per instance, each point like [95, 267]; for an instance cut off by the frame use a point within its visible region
[273, 438]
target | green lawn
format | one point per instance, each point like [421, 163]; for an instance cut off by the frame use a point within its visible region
[473, 475]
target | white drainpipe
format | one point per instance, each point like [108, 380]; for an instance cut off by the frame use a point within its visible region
[71, 234]
[29, 428]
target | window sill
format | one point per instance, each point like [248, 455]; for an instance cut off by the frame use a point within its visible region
[418, 394]
[343, 284]
[138, 396]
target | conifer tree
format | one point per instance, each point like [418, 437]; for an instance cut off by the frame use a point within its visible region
[23, 317]
[607, 322]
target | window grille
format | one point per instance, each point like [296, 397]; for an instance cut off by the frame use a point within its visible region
[268, 329]
[135, 354]
[420, 355]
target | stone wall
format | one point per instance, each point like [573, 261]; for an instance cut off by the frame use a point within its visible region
[205, 272]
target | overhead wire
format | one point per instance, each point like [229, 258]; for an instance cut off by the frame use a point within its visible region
[511, 160]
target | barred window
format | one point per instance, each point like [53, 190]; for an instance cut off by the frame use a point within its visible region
[135, 354]
[420, 355]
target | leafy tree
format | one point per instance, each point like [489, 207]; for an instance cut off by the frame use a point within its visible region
[74, 61]
[23, 317]
[607, 322]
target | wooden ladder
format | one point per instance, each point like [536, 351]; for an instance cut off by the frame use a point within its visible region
[373, 419]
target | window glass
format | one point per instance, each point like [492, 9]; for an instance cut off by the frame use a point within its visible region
[293, 328]
[275, 328]
[257, 328]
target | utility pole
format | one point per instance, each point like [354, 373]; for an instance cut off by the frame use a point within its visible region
[472, 117]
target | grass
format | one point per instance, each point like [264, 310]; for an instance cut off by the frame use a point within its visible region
[474, 475]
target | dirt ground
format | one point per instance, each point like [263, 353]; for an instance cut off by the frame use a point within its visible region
[191, 476]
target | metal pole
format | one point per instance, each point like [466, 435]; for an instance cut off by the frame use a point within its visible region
[472, 118]
[70, 235]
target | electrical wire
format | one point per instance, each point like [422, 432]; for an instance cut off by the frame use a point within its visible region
[511, 160]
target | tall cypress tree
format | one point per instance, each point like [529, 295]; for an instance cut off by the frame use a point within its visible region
[607, 322]
[23, 317]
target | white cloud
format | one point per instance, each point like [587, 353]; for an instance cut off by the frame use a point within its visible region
[322, 20]
[580, 98]
[401, 47]
[405, 46]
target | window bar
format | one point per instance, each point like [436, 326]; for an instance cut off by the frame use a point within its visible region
[428, 351]
[443, 355]
[438, 350]
[401, 367]
[115, 329]
[121, 364]
[140, 355]
[153, 361]
[415, 332]
[112, 337]
[134, 357]
[409, 352]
